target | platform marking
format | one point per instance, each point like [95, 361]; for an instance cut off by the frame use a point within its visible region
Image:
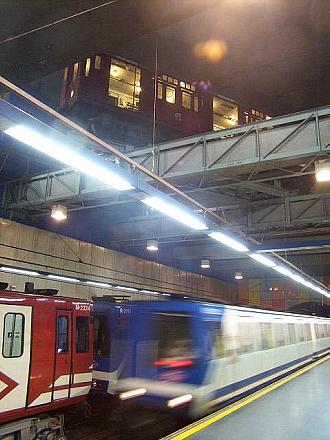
[207, 421]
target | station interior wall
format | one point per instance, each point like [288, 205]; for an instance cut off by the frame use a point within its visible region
[40, 250]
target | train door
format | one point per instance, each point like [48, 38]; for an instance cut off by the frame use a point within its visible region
[15, 341]
[63, 355]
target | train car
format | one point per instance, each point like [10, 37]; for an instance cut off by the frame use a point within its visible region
[114, 95]
[45, 354]
[193, 356]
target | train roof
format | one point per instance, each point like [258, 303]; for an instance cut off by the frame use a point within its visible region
[8, 296]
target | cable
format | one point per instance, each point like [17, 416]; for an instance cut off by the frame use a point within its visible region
[61, 20]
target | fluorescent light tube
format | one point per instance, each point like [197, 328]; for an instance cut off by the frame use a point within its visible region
[263, 260]
[175, 212]
[151, 292]
[283, 271]
[60, 278]
[128, 289]
[230, 242]
[97, 284]
[20, 271]
[68, 156]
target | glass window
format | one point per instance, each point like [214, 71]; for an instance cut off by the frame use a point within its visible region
[13, 335]
[196, 103]
[97, 63]
[62, 334]
[186, 100]
[101, 346]
[124, 85]
[193, 88]
[82, 334]
[292, 333]
[88, 66]
[159, 90]
[75, 71]
[165, 77]
[225, 114]
[170, 79]
[170, 94]
[173, 335]
[247, 336]
[175, 81]
[188, 86]
[266, 336]
[182, 84]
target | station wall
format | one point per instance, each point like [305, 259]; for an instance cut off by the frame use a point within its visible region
[40, 250]
[276, 294]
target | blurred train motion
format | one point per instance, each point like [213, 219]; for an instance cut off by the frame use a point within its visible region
[115, 99]
[192, 355]
[45, 361]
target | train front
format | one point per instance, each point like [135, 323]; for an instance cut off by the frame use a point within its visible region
[169, 360]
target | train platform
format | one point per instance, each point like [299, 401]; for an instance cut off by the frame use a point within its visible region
[294, 408]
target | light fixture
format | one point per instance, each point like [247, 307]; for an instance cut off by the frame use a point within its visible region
[149, 292]
[263, 260]
[238, 276]
[152, 245]
[68, 156]
[59, 212]
[127, 289]
[19, 271]
[228, 241]
[175, 212]
[179, 400]
[205, 264]
[322, 171]
[98, 284]
[60, 278]
[132, 393]
[283, 271]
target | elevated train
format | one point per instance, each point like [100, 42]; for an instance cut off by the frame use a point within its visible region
[194, 355]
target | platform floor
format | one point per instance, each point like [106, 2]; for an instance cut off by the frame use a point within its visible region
[297, 410]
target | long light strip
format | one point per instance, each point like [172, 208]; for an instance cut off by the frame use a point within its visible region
[68, 156]
[19, 271]
[98, 284]
[66, 279]
[175, 212]
[263, 260]
[228, 241]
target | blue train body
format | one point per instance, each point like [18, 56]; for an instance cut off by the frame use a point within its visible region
[170, 354]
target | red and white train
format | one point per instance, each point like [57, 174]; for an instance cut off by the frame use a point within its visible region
[46, 355]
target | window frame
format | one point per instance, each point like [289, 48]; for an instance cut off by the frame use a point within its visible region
[22, 338]
[86, 337]
[67, 351]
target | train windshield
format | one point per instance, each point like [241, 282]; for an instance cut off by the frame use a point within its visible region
[174, 337]
[101, 335]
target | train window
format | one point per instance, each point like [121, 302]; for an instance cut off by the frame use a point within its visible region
[159, 90]
[214, 340]
[87, 67]
[75, 71]
[292, 333]
[82, 334]
[101, 345]
[170, 94]
[186, 100]
[124, 84]
[13, 335]
[279, 335]
[97, 63]
[173, 334]
[62, 334]
[266, 336]
[247, 337]
[196, 103]
[225, 114]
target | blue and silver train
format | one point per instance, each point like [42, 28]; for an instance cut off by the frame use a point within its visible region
[195, 355]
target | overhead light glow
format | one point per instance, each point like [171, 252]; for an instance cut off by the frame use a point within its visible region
[68, 156]
[283, 271]
[66, 279]
[205, 264]
[97, 284]
[322, 171]
[19, 271]
[228, 241]
[263, 260]
[152, 245]
[127, 289]
[59, 212]
[238, 276]
[150, 292]
[175, 212]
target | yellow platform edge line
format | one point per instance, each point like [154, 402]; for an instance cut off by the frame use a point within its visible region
[235, 407]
